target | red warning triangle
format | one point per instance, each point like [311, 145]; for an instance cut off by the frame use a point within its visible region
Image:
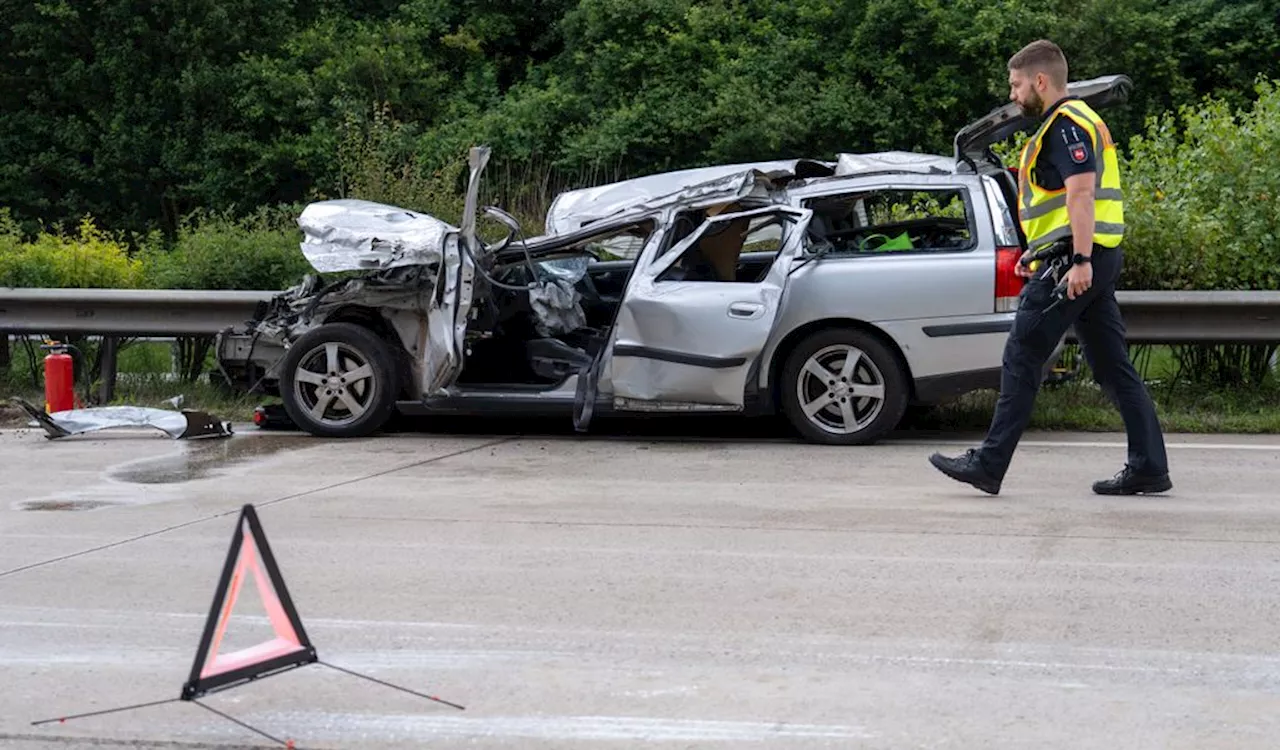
[290, 648]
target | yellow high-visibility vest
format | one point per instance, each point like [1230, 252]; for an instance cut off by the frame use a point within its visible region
[1043, 213]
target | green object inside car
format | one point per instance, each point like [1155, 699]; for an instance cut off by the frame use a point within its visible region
[883, 242]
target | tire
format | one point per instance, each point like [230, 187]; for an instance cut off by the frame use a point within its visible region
[877, 371]
[374, 389]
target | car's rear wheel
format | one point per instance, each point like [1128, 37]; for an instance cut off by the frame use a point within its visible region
[843, 386]
[339, 380]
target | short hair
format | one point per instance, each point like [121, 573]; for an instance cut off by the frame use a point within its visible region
[1042, 56]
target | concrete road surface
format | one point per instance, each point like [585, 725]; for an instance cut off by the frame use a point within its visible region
[616, 592]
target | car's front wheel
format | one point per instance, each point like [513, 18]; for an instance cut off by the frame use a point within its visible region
[339, 380]
[843, 386]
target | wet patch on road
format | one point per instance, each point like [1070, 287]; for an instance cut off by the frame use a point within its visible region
[202, 459]
[158, 479]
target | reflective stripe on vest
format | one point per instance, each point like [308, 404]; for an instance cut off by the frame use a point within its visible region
[1043, 213]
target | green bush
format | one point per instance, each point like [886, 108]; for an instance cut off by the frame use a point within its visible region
[1202, 213]
[1201, 198]
[261, 252]
[91, 258]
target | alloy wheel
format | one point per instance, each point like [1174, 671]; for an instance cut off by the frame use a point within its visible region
[334, 384]
[840, 389]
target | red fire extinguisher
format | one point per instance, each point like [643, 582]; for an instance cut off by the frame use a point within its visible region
[59, 378]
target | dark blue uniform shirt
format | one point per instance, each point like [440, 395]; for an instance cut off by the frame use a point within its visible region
[1066, 151]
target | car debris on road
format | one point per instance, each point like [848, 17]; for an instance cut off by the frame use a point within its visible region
[187, 424]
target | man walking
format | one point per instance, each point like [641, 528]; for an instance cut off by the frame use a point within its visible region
[1068, 192]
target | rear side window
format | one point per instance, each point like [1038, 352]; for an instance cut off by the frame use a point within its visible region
[900, 220]
[1007, 234]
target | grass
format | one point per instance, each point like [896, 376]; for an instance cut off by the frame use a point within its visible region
[1077, 404]
[1081, 406]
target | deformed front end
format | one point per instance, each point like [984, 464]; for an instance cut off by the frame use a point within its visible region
[403, 275]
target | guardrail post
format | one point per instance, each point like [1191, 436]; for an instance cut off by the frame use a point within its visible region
[110, 346]
[6, 359]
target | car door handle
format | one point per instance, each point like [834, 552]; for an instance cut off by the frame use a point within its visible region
[746, 310]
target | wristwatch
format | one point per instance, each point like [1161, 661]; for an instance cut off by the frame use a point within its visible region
[1080, 259]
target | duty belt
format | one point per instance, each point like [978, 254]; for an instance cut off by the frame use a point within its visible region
[1057, 256]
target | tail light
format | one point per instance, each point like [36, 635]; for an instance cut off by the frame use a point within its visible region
[1008, 282]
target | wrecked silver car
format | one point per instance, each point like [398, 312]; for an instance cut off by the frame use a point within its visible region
[835, 293]
[536, 316]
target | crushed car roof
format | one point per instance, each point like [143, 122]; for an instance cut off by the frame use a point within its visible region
[573, 208]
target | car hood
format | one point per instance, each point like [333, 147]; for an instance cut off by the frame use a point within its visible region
[573, 208]
[973, 141]
[358, 235]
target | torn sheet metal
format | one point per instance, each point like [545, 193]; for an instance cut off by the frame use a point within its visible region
[572, 209]
[357, 235]
[179, 425]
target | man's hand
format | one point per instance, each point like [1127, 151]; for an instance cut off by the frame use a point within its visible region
[1079, 279]
[1022, 269]
[1080, 211]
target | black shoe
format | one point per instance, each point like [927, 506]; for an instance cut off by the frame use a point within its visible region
[1127, 482]
[966, 469]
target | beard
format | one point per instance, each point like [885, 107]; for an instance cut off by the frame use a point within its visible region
[1033, 107]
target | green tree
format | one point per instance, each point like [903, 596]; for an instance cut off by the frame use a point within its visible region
[119, 109]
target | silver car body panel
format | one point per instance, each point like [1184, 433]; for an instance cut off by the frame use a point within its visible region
[1006, 227]
[938, 307]
[680, 345]
[751, 187]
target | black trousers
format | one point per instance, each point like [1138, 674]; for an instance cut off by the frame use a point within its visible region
[1100, 331]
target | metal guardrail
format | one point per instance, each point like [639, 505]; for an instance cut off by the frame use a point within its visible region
[125, 312]
[1150, 317]
[116, 313]
[1250, 317]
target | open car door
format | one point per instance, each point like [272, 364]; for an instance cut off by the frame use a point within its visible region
[443, 347]
[696, 317]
